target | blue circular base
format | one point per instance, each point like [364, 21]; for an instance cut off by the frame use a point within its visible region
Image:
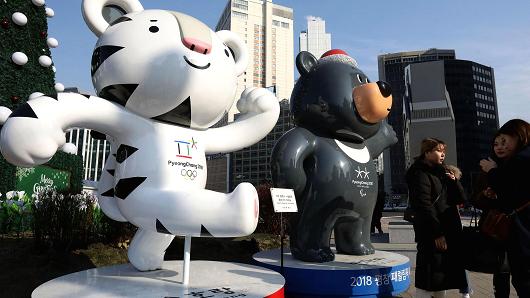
[383, 274]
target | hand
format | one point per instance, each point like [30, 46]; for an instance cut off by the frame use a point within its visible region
[257, 100]
[440, 243]
[489, 193]
[487, 164]
[450, 175]
[29, 141]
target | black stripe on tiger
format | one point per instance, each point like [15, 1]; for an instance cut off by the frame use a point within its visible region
[108, 193]
[24, 110]
[123, 152]
[126, 186]
[119, 93]
[205, 232]
[161, 229]
[101, 54]
[53, 95]
[181, 115]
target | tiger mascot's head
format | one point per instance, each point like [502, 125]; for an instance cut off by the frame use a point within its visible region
[163, 65]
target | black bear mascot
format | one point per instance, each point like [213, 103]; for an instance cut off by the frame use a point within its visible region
[328, 157]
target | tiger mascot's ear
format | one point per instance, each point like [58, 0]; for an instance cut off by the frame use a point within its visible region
[97, 12]
[238, 48]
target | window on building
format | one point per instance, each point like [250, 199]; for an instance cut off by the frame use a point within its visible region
[241, 4]
[240, 15]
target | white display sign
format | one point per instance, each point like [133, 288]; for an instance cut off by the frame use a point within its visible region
[283, 200]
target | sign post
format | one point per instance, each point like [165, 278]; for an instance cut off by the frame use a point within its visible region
[283, 200]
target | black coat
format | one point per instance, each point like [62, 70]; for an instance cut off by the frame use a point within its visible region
[434, 197]
[511, 182]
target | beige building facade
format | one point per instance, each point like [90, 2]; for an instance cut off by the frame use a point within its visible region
[267, 29]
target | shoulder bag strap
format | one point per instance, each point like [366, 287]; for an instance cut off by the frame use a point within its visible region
[432, 187]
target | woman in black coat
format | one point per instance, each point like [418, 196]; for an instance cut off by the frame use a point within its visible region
[480, 200]
[433, 195]
[510, 184]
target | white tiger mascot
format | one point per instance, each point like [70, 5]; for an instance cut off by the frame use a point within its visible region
[162, 79]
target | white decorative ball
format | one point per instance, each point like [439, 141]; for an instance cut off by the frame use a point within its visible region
[49, 12]
[38, 2]
[54, 69]
[19, 58]
[70, 148]
[59, 87]
[19, 18]
[52, 42]
[35, 95]
[4, 114]
[45, 61]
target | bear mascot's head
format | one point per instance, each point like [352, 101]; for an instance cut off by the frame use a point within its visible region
[334, 98]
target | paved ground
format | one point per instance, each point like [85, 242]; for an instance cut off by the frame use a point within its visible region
[481, 283]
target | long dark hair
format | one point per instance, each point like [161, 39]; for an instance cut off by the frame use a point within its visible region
[518, 129]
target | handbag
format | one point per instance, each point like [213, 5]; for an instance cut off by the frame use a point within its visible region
[480, 252]
[498, 224]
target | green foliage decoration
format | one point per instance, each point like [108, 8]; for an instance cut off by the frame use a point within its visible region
[30, 39]
[8, 178]
[18, 82]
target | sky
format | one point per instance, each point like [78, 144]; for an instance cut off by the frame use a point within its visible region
[490, 32]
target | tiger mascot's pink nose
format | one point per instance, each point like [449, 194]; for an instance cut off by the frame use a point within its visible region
[197, 45]
[195, 35]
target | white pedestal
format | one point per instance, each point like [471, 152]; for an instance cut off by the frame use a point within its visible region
[207, 279]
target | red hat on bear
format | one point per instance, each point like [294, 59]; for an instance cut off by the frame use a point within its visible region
[337, 56]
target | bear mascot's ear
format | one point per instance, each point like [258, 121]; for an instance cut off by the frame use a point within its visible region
[99, 13]
[237, 47]
[305, 61]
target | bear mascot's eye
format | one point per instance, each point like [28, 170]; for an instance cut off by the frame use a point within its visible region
[359, 78]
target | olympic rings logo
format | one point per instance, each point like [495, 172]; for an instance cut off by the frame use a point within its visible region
[189, 174]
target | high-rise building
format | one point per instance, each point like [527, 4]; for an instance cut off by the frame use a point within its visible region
[391, 70]
[470, 86]
[315, 39]
[267, 29]
[428, 112]
[252, 164]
